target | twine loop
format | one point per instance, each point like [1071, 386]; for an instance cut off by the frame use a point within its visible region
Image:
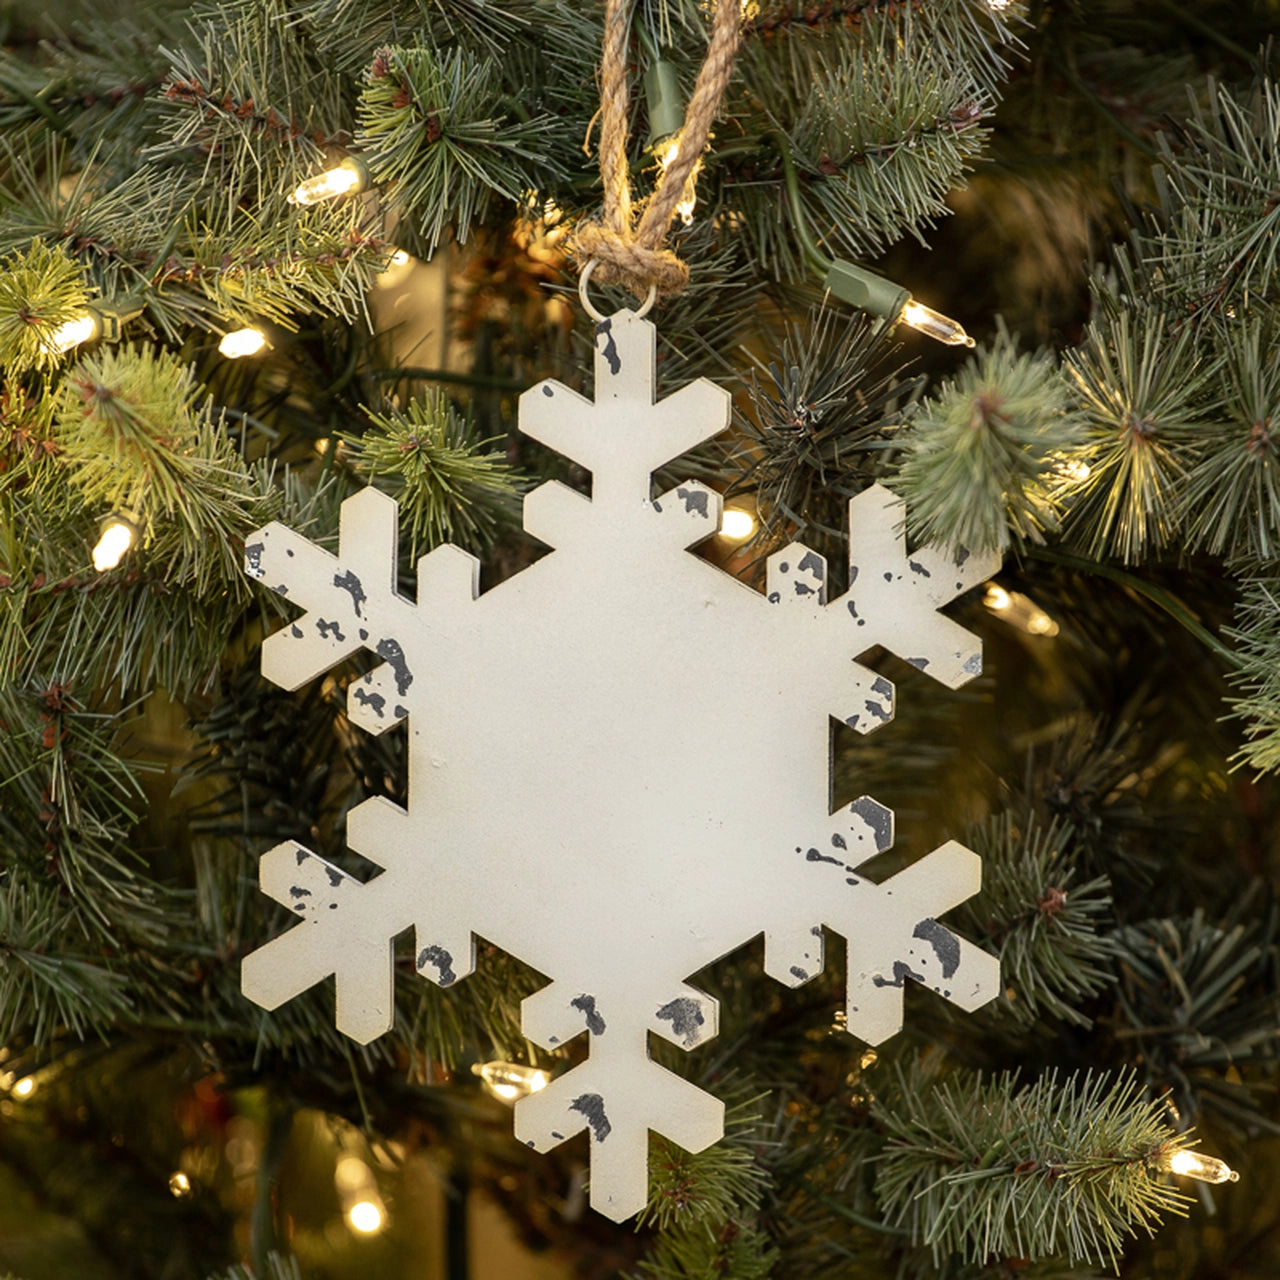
[631, 254]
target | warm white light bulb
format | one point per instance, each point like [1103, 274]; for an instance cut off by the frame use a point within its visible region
[935, 325]
[24, 1087]
[180, 1185]
[366, 1217]
[84, 328]
[511, 1081]
[689, 195]
[242, 342]
[1193, 1164]
[116, 539]
[736, 524]
[341, 180]
[996, 597]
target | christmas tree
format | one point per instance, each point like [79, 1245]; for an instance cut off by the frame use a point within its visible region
[259, 255]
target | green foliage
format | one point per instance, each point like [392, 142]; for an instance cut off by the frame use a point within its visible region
[451, 487]
[1139, 383]
[134, 441]
[1043, 921]
[985, 454]
[1257, 634]
[740, 1250]
[986, 1169]
[708, 1188]
[279, 1267]
[1195, 995]
[440, 126]
[41, 289]
[809, 442]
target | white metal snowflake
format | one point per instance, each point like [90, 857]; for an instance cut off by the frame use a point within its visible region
[618, 766]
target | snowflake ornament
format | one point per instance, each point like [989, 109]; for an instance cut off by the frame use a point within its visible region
[619, 766]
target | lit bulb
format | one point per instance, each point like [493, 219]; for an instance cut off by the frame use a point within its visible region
[242, 342]
[996, 597]
[24, 1087]
[84, 328]
[511, 1081]
[736, 524]
[117, 537]
[366, 1217]
[180, 1185]
[1192, 1164]
[1019, 611]
[935, 325]
[343, 179]
[666, 153]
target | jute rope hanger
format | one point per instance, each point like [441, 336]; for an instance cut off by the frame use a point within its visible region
[633, 255]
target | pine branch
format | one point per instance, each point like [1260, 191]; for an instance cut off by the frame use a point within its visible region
[984, 455]
[988, 1170]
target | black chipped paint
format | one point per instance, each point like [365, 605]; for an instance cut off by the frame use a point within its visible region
[657, 506]
[878, 818]
[546, 391]
[815, 855]
[298, 891]
[281, 590]
[962, 554]
[945, 944]
[591, 1105]
[586, 1005]
[803, 589]
[253, 558]
[838, 840]
[888, 577]
[296, 631]
[349, 583]
[394, 654]
[324, 628]
[694, 500]
[302, 855]
[442, 960]
[814, 564]
[881, 686]
[852, 721]
[798, 973]
[685, 1016]
[816, 930]
[775, 597]
[610, 351]
[853, 608]
[916, 567]
[875, 709]
[363, 634]
[901, 972]
[289, 552]
[335, 876]
[852, 880]
[559, 1137]
[374, 701]
[401, 712]
[919, 663]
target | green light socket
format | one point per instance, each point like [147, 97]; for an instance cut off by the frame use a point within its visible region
[864, 289]
[664, 101]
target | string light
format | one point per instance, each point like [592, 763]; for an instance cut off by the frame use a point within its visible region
[666, 153]
[242, 342]
[928, 321]
[511, 1081]
[24, 1088]
[881, 297]
[1193, 1164]
[366, 1217]
[1019, 611]
[344, 179]
[180, 1185]
[76, 331]
[117, 535]
[736, 524]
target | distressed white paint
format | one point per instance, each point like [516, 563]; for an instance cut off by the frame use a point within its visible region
[618, 765]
